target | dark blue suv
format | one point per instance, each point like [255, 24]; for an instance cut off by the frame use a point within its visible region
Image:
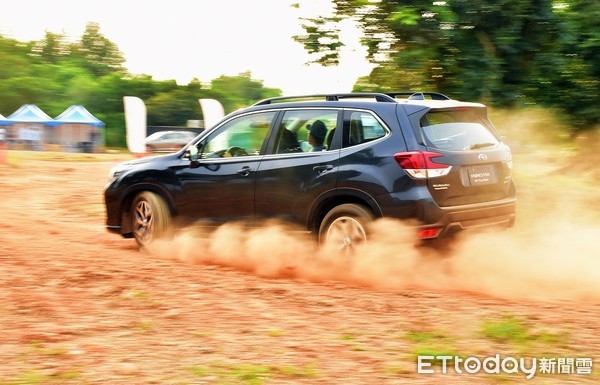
[330, 163]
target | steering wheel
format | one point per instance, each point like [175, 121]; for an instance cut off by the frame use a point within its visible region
[235, 151]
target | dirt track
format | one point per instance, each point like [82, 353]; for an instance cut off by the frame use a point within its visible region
[79, 305]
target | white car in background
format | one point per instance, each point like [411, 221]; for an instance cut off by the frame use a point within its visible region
[168, 141]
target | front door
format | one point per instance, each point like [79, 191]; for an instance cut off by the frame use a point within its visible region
[221, 188]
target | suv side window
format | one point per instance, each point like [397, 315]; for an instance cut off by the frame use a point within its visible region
[361, 127]
[241, 136]
[307, 130]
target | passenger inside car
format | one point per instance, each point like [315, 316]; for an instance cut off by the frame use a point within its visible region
[288, 142]
[316, 135]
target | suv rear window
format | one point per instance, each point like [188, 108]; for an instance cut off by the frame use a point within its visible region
[457, 130]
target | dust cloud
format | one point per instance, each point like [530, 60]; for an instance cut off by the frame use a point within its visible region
[553, 257]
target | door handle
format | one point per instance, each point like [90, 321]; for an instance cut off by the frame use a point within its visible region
[323, 168]
[244, 171]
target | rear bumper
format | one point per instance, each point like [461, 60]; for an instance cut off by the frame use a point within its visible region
[418, 204]
[499, 215]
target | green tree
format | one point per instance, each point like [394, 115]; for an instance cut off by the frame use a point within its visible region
[503, 52]
[236, 92]
[173, 108]
[575, 81]
[55, 74]
[14, 63]
[99, 54]
[450, 46]
[51, 48]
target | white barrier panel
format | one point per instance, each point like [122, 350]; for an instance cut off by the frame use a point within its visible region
[135, 123]
[212, 110]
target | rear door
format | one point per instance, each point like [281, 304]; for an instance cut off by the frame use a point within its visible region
[481, 164]
[297, 170]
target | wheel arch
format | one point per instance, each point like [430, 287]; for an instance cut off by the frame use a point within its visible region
[335, 198]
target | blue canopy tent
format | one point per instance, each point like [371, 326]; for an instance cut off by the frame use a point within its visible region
[76, 128]
[26, 126]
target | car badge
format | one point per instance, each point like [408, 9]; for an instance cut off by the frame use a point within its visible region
[482, 157]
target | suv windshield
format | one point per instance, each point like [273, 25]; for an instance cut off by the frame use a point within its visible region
[457, 130]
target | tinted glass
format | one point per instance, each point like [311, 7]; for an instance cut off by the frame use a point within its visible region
[457, 130]
[293, 135]
[241, 136]
[361, 127]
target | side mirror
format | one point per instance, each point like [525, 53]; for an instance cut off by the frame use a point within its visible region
[193, 155]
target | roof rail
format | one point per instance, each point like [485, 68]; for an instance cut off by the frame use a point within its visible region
[331, 97]
[416, 95]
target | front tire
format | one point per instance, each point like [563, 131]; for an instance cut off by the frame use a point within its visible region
[150, 218]
[345, 226]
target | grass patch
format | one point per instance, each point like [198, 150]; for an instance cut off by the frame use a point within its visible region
[145, 326]
[38, 347]
[508, 329]
[274, 332]
[354, 341]
[35, 377]
[199, 371]
[424, 337]
[511, 329]
[308, 371]
[431, 343]
[140, 297]
[252, 374]
[348, 337]
[30, 378]
[136, 294]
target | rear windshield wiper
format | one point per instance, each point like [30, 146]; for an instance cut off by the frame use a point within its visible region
[480, 145]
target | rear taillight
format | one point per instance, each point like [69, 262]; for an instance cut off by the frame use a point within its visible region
[429, 233]
[419, 164]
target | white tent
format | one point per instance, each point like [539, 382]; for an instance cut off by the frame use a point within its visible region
[77, 128]
[26, 126]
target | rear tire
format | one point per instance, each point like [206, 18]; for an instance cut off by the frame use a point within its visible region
[345, 226]
[150, 218]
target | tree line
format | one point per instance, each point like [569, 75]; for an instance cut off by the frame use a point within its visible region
[54, 73]
[506, 53]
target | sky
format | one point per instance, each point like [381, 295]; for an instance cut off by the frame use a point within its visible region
[186, 39]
